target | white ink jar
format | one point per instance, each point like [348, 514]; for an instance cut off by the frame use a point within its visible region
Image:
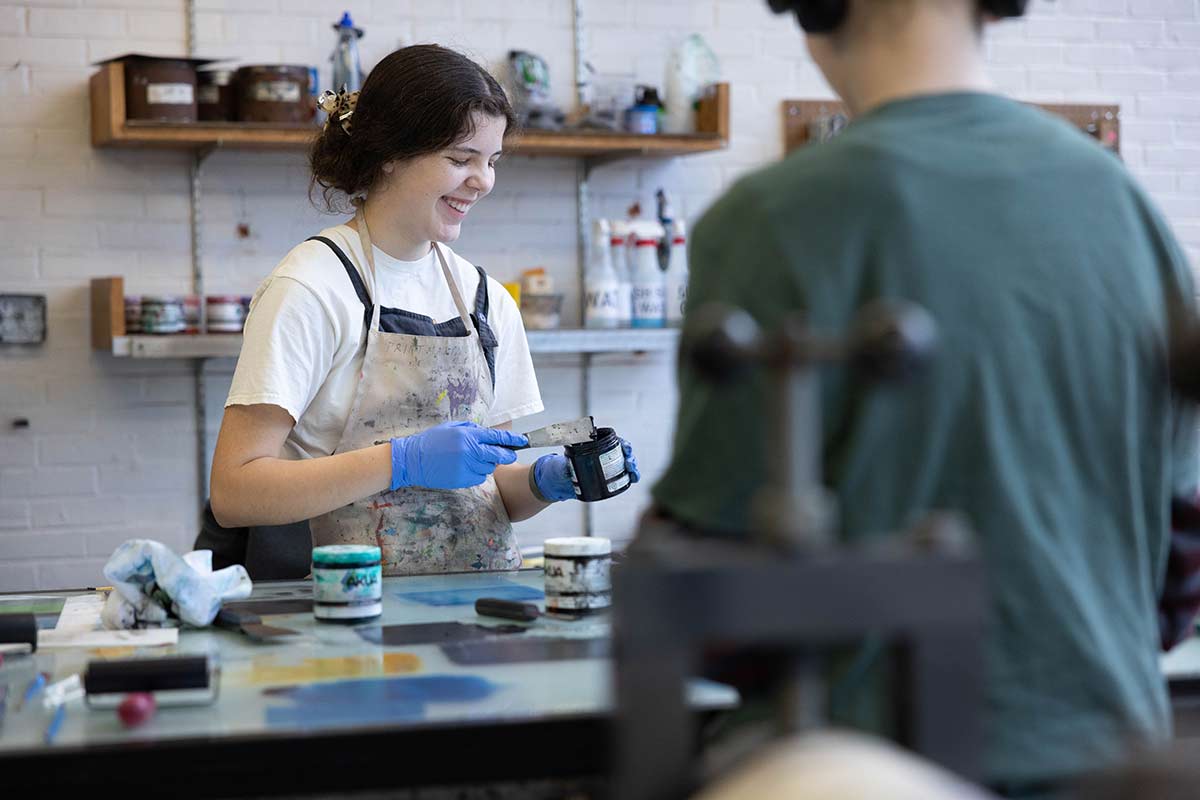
[347, 582]
[578, 574]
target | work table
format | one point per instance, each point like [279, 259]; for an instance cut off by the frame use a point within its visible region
[511, 700]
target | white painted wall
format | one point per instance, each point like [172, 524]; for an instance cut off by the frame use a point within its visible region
[110, 452]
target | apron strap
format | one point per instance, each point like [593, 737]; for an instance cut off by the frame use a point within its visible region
[453, 284]
[364, 237]
[360, 288]
[486, 337]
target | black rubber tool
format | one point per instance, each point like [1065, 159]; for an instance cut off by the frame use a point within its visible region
[506, 609]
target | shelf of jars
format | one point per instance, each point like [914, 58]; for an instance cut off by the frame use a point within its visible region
[109, 335]
[110, 127]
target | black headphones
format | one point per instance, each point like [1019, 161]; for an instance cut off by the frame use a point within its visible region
[824, 16]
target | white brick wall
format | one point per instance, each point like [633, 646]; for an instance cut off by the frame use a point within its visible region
[109, 453]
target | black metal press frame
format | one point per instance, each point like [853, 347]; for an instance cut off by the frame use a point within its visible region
[785, 584]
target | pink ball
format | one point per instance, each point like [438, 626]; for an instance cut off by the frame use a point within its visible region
[136, 709]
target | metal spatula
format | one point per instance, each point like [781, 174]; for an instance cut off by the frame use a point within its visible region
[574, 432]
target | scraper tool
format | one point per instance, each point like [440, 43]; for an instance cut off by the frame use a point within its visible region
[574, 432]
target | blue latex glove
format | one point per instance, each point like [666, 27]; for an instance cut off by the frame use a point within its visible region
[452, 455]
[550, 474]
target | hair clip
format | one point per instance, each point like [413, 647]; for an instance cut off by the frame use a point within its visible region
[338, 104]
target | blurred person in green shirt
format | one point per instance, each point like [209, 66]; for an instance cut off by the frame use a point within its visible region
[1045, 418]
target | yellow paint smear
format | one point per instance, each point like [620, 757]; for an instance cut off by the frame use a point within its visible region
[112, 652]
[441, 397]
[267, 672]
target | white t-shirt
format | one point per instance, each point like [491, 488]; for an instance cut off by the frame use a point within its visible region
[303, 343]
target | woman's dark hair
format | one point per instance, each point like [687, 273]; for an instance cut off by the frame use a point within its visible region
[417, 100]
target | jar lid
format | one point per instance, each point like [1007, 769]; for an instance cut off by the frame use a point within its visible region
[342, 554]
[578, 546]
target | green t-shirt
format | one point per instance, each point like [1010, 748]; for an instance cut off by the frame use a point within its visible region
[1045, 418]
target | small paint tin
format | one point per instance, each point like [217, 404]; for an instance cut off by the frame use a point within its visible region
[133, 313]
[226, 314]
[578, 574]
[347, 583]
[597, 468]
[273, 93]
[216, 99]
[191, 314]
[162, 314]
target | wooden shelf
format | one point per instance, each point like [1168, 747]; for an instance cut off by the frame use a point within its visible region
[108, 334]
[110, 128]
[798, 115]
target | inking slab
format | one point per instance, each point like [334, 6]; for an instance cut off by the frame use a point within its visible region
[355, 702]
[433, 632]
[266, 607]
[468, 595]
[524, 649]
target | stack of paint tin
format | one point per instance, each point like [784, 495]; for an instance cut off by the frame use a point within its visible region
[226, 314]
[133, 313]
[191, 314]
[162, 313]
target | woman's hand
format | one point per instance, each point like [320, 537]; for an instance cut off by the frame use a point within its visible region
[553, 482]
[452, 455]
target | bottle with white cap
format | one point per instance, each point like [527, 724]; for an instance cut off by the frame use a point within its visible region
[649, 289]
[677, 275]
[618, 234]
[601, 288]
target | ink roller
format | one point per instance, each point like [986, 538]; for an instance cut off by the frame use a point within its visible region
[172, 680]
[18, 633]
[506, 609]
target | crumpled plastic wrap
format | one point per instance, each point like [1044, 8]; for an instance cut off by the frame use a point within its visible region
[153, 587]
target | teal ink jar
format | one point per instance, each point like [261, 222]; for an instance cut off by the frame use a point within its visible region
[347, 583]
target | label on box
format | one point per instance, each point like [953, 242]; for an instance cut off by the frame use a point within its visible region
[169, 94]
[276, 92]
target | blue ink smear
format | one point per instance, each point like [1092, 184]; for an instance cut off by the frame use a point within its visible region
[371, 700]
[466, 597]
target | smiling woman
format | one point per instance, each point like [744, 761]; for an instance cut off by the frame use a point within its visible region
[380, 370]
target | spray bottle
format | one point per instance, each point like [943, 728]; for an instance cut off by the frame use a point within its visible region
[677, 275]
[601, 289]
[649, 289]
[347, 70]
[619, 253]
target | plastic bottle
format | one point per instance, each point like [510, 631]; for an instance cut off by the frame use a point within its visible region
[619, 252]
[677, 275]
[601, 289]
[679, 116]
[347, 70]
[649, 289]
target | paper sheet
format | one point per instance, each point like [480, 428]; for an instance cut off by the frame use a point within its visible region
[145, 637]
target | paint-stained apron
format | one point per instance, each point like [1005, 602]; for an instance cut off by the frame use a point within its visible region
[409, 384]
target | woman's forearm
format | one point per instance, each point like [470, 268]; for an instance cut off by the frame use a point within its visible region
[276, 491]
[519, 501]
